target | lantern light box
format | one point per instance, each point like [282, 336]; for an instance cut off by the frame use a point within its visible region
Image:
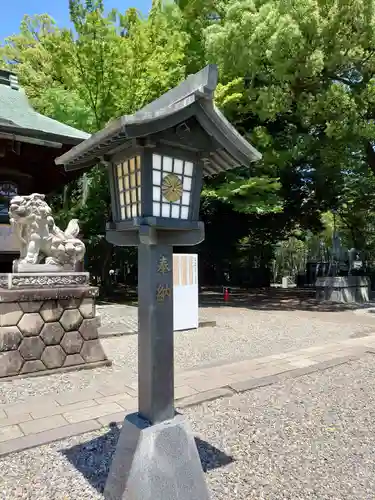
[157, 159]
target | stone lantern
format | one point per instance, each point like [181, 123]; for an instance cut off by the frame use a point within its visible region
[156, 161]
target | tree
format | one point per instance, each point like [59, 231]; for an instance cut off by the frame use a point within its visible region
[298, 79]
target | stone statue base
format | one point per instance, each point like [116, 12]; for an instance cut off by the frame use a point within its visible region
[21, 267]
[43, 279]
[345, 289]
[47, 327]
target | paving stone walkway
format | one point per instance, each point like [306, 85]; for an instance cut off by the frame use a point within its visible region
[43, 419]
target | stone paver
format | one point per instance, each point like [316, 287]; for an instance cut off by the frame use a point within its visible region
[16, 419]
[53, 414]
[49, 411]
[113, 418]
[77, 396]
[10, 432]
[184, 391]
[32, 404]
[32, 440]
[42, 424]
[91, 412]
[121, 398]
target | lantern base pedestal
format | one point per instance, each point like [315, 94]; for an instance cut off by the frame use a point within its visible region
[156, 462]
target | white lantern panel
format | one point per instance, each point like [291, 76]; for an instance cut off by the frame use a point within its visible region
[167, 164]
[134, 210]
[188, 168]
[178, 166]
[156, 193]
[186, 198]
[184, 212]
[123, 213]
[175, 211]
[156, 209]
[165, 209]
[187, 183]
[156, 177]
[156, 162]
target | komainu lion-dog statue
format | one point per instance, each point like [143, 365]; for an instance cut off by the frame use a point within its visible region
[39, 237]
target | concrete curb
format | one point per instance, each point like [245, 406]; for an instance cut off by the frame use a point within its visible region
[63, 369]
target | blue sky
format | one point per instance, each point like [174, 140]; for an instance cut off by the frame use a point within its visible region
[12, 11]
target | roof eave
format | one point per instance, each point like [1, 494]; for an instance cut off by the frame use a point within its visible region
[197, 86]
[126, 127]
[27, 132]
[193, 97]
[89, 152]
[215, 123]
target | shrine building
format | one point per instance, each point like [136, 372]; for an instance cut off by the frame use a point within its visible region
[29, 144]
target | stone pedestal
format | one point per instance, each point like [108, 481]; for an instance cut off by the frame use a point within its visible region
[48, 328]
[343, 289]
[156, 462]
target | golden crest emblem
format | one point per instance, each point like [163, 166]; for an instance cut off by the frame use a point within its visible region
[171, 188]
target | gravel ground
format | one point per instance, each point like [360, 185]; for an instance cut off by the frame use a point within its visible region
[301, 439]
[240, 334]
[116, 317]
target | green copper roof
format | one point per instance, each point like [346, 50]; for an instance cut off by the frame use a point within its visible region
[18, 117]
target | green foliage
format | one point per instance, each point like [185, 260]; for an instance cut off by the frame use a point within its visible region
[298, 76]
[248, 194]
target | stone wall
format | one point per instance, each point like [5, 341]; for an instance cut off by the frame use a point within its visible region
[46, 330]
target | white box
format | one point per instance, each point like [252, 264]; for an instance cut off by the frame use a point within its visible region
[185, 291]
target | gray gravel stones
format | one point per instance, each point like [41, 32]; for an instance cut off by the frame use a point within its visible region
[310, 438]
[241, 334]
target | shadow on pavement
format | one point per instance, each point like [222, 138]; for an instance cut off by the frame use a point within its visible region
[93, 458]
[267, 299]
[275, 299]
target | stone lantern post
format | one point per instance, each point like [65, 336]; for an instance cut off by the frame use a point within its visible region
[156, 160]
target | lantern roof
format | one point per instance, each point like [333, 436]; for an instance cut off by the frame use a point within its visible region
[17, 116]
[188, 106]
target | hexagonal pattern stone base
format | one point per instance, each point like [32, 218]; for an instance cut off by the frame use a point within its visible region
[44, 330]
